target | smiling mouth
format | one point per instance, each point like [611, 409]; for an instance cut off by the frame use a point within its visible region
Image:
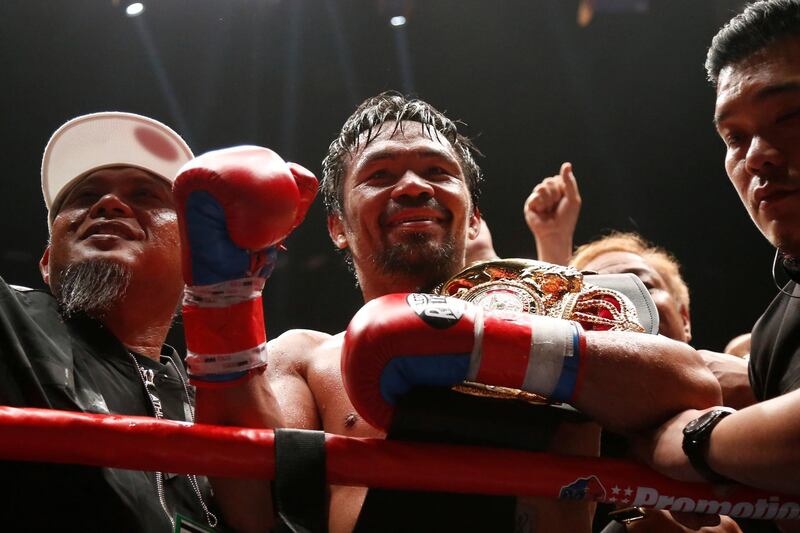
[414, 217]
[110, 230]
[414, 221]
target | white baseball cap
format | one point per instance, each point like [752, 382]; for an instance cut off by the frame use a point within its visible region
[109, 139]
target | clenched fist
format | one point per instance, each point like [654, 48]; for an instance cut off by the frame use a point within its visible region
[551, 212]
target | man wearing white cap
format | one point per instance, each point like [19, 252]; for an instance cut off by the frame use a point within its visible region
[95, 345]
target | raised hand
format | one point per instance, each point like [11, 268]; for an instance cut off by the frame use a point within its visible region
[551, 212]
[235, 206]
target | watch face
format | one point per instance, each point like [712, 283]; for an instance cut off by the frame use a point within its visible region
[704, 420]
[696, 424]
[695, 441]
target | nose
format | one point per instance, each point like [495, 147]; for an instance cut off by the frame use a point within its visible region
[110, 206]
[412, 185]
[762, 154]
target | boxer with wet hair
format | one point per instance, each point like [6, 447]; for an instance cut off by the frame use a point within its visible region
[401, 186]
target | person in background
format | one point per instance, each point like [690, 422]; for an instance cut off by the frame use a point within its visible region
[401, 187]
[481, 248]
[754, 66]
[552, 211]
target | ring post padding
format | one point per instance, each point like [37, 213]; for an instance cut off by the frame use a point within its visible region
[300, 487]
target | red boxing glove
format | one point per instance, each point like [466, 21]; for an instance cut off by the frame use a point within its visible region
[307, 186]
[402, 340]
[234, 206]
[234, 202]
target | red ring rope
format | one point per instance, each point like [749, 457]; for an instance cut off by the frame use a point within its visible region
[142, 443]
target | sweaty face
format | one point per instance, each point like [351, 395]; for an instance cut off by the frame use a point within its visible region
[407, 208]
[672, 321]
[120, 215]
[758, 116]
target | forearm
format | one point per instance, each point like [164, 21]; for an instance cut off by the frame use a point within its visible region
[760, 445]
[235, 206]
[632, 381]
[250, 404]
[554, 248]
[246, 503]
[733, 377]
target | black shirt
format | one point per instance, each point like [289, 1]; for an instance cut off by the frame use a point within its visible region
[775, 358]
[775, 345]
[78, 365]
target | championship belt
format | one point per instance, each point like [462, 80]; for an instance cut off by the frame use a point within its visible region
[528, 286]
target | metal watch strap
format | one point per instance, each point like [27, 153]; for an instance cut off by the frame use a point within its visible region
[696, 436]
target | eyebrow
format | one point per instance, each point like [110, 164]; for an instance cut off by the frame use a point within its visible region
[136, 181]
[391, 155]
[639, 272]
[636, 270]
[766, 93]
[133, 180]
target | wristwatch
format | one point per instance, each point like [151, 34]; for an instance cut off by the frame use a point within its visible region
[696, 435]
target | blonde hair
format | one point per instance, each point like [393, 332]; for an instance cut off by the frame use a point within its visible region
[660, 259]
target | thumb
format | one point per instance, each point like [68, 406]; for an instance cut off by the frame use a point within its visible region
[307, 185]
[570, 183]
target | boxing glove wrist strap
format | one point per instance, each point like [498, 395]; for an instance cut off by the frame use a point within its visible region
[224, 325]
[543, 358]
[223, 294]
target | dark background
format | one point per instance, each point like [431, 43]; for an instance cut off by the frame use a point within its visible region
[625, 99]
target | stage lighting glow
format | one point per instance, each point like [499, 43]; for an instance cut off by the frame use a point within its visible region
[398, 21]
[134, 9]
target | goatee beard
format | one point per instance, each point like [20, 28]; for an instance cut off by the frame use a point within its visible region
[429, 262]
[91, 287]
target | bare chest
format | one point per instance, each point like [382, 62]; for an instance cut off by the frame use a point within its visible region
[336, 412]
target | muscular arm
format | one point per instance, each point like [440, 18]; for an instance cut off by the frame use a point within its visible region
[278, 398]
[760, 445]
[287, 374]
[247, 503]
[305, 377]
[235, 206]
[626, 381]
[757, 446]
[633, 381]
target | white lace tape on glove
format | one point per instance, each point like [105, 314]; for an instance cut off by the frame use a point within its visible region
[225, 335]
[543, 356]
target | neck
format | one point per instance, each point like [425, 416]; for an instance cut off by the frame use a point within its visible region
[376, 288]
[142, 319]
[146, 339]
[791, 265]
[376, 284]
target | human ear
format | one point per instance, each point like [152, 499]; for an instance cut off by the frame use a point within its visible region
[336, 231]
[474, 224]
[44, 265]
[687, 323]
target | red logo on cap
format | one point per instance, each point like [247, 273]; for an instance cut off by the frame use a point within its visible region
[156, 143]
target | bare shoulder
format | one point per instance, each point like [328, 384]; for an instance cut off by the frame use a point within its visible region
[295, 348]
[290, 361]
[301, 336]
[304, 373]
